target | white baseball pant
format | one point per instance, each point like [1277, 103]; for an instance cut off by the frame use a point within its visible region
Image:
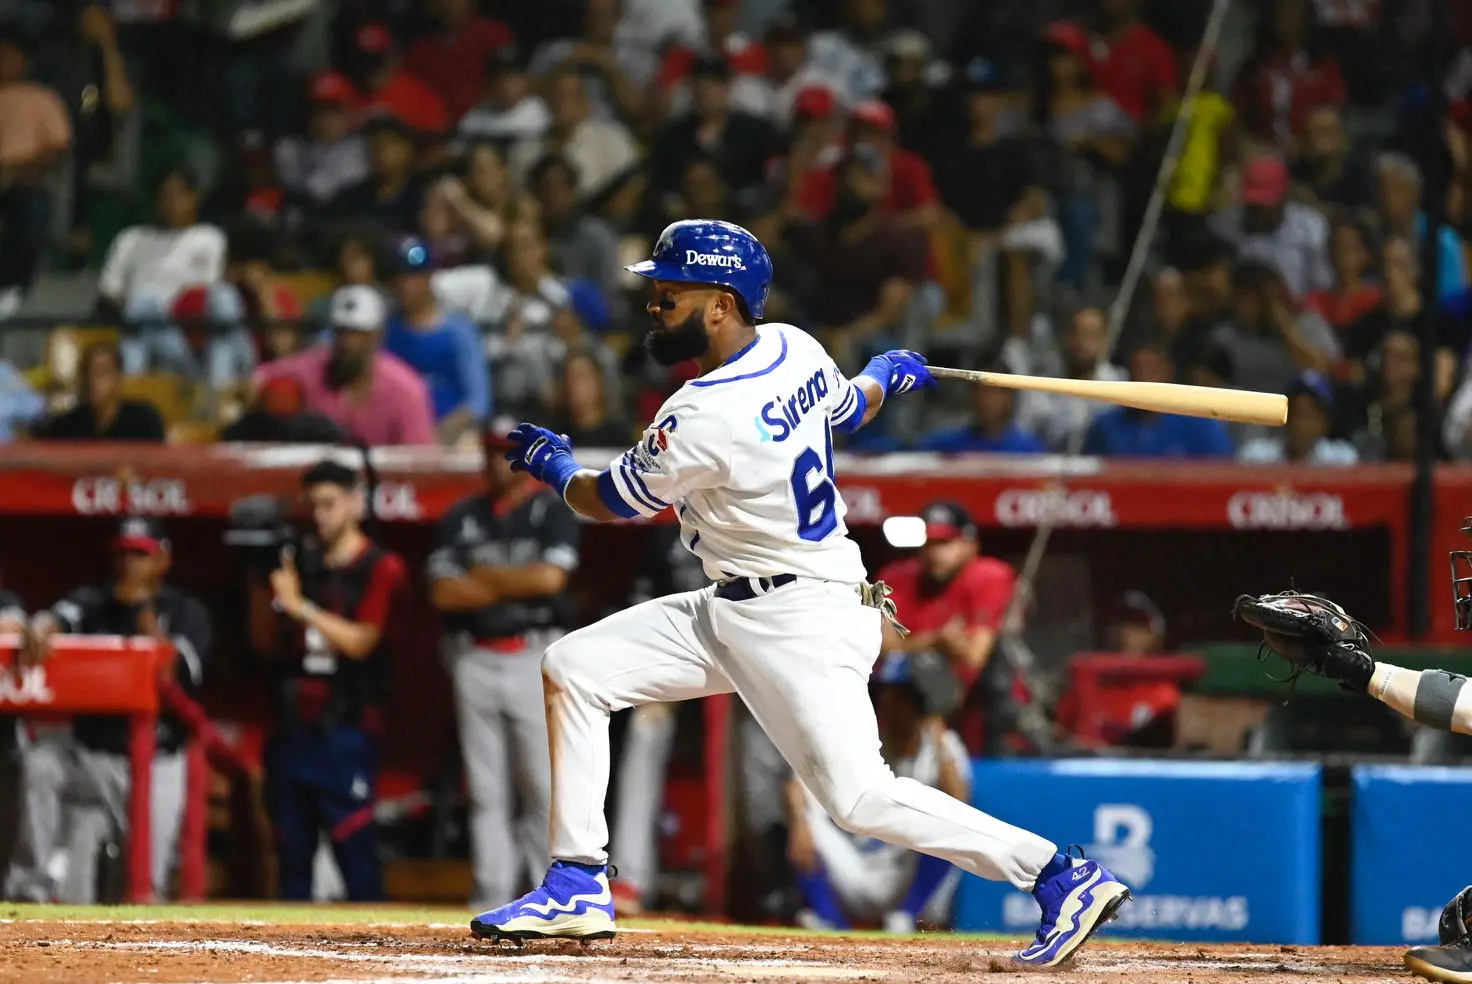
[799, 656]
[61, 781]
[503, 742]
[641, 780]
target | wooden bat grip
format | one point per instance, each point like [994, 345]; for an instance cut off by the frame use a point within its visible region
[1241, 406]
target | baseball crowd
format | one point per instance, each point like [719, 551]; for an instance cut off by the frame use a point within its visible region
[964, 178]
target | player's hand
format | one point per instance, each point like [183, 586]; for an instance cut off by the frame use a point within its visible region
[535, 448]
[286, 584]
[899, 371]
[38, 639]
[953, 636]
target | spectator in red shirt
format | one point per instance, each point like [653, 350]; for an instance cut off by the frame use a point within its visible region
[1284, 81]
[1132, 64]
[911, 194]
[814, 146]
[394, 90]
[950, 597]
[747, 59]
[1353, 294]
[866, 264]
[453, 62]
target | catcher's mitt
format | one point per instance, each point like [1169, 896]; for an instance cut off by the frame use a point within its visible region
[1313, 634]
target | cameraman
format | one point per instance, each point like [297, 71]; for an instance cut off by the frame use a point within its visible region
[333, 601]
[91, 765]
[498, 578]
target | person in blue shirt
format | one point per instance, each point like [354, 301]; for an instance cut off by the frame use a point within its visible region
[992, 426]
[1125, 432]
[442, 346]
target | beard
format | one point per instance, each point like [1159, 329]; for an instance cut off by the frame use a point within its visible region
[687, 340]
[344, 369]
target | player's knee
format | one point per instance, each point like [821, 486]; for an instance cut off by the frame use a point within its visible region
[565, 663]
[853, 811]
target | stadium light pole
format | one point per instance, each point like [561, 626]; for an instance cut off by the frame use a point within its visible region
[1435, 167]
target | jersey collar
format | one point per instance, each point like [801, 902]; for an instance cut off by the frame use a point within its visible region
[717, 375]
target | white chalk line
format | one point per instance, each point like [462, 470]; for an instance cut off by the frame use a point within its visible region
[471, 968]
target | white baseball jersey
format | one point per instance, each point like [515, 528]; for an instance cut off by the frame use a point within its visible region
[744, 454]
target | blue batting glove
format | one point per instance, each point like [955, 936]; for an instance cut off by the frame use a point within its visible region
[545, 455]
[899, 371]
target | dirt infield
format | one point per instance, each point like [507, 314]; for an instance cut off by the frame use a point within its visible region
[57, 951]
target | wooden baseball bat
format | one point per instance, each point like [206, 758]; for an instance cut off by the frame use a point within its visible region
[1242, 406]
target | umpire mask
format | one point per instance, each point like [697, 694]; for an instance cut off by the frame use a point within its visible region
[1461, 561]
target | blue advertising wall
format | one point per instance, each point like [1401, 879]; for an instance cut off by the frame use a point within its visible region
[1211, 850]
[1407, 824]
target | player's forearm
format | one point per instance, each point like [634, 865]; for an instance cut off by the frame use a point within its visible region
[460, 594]
[874, 393]
[974, 649]
[584, 497]
[1435, 698]
[951, 782]
[522, 581]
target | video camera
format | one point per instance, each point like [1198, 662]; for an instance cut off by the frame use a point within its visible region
[261, 526]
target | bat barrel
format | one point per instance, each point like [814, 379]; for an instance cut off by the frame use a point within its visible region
[1239, 406]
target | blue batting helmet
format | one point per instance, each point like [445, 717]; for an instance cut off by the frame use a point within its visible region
[707, 251]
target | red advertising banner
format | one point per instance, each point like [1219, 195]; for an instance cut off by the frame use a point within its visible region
[83, 675]
[417, 485]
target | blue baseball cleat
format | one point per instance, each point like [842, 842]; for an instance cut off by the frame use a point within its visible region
[1077, 897]
[573, 902]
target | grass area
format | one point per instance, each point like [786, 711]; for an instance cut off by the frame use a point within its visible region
[281, 913]
[238, 912]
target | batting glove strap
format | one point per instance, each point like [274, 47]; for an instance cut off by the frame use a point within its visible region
[558, 471]
[899, 371]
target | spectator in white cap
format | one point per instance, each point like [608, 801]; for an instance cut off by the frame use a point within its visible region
[367, 392]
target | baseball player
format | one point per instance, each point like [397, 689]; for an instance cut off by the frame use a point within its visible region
[846, 875]
[91, 764]
[744, 454]
[499, 579]
[1317, 636]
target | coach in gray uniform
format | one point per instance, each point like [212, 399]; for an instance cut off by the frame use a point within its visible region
[498, 578]
[90, 766]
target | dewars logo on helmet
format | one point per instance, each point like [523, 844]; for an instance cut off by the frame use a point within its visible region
[693, 258]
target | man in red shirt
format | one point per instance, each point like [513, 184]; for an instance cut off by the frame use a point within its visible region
[1283, 82]
[950, 598]
[911, 195]
[395, 91]
[1132, 64]
[453, 62]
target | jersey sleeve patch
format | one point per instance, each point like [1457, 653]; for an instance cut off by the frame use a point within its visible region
[677, 455]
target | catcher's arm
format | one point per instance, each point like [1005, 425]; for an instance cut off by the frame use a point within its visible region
[1317, 636]
[1435, 698]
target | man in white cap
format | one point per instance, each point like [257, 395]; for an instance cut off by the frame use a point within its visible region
[368, 393]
